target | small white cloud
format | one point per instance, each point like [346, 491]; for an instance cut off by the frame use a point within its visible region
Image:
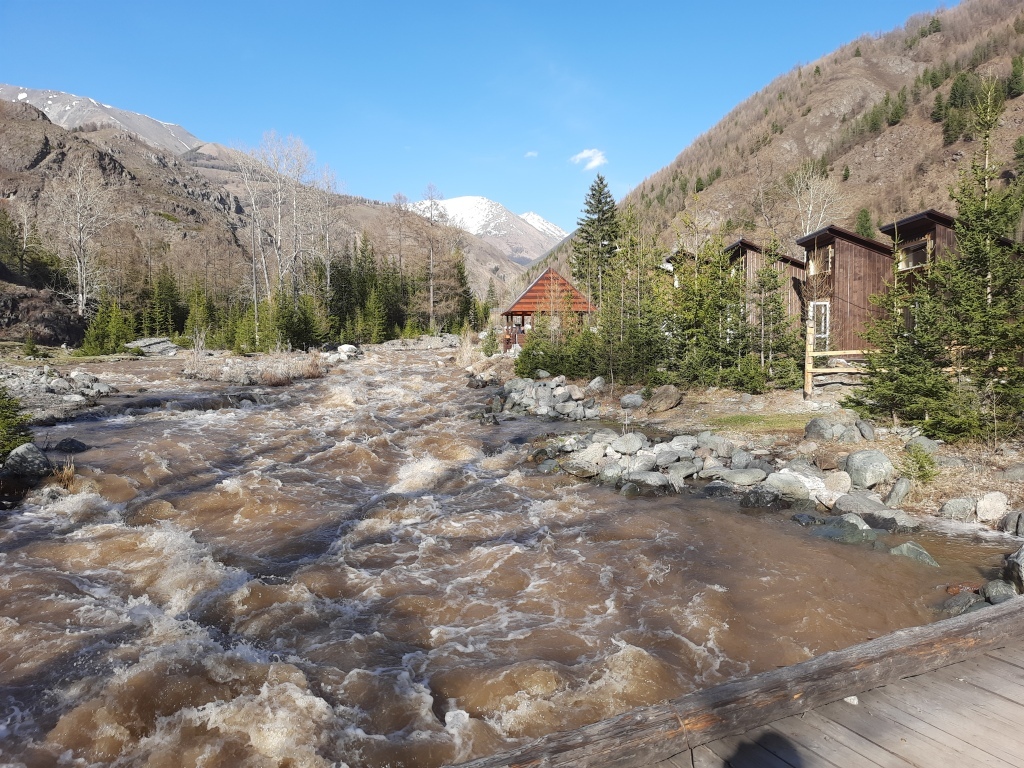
[531, 153]
[594, 158]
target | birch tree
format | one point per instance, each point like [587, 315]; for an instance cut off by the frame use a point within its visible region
[79, 205]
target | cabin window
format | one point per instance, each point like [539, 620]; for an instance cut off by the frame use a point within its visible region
[821, 323]
[915, 256]
[820, 262]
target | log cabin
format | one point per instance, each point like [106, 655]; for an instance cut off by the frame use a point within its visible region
[750, 257]
[843, 271]
[550, 294]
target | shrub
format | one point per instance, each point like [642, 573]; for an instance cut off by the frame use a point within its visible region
[13, 424]
[917, 464]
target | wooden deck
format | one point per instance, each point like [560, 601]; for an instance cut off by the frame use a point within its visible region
[964, 715]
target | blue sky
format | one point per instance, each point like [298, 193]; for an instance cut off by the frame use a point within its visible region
[521, 102]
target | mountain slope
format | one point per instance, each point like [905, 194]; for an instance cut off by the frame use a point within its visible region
[77, 112]
[520, 238]
[733, 178]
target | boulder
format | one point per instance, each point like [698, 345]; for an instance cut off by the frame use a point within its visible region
[914, 551]
[818, 429]
[677, 474]
[629, 402]
[961, 603]
[761, 497]
[649, 479]
[960, 509]
[866, 430]
[597, 384]
[665, 398]
[928, 445]
[717, 488]
[628, 444]
[807, 520]
[579, 467]
[71, 445]
[575, 392]
[742, 477]
[1015, 569]
[898, 494]
[1013, 474]
[741, 459]
[1013, 523]
[788, 485]
[998, 591]
[629, 490]
[869, 468]
[610, 474]
[27, 461]
[838, 482]
[684, 443]
[849, 436]
[639, 462]
[154, 346]
[992, 507]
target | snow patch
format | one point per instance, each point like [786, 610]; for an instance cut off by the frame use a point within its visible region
[22, 96]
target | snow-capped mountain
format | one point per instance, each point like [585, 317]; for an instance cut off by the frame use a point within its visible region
[70, 111]
[522, 238]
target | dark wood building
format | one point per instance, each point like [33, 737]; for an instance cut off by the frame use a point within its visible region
[843, 270]
[550, 294]
[750, 257]
[921, 238]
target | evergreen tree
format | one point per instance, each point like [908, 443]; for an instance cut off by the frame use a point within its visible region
[1015, 86]
[864, 227]
[774, 341]
[594, 243]
[939, 110]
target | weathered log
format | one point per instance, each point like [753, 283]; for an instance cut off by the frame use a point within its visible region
[647, 734]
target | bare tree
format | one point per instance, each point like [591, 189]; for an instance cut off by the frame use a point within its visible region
[432, 196]
[79, 206]
[815, 197]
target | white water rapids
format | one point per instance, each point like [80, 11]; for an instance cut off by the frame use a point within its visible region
[356, 572]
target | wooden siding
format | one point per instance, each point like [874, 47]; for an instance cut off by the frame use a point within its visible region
[860, 268]
[549, 294]
[792, 272]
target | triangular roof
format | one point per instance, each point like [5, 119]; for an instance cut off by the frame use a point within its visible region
[914, 226]
[549, 288]
[743, 244]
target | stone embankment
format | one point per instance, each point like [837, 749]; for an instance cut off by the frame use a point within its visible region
[832, 484]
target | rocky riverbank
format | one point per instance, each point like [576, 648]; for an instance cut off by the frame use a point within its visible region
[840, 477]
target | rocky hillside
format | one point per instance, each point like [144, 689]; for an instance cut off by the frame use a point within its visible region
[833, 111]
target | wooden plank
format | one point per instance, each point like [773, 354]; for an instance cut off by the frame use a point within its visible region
[788, 750]
[743, 752]
[705, 758]
[967, 729]
[803, 732]
[1005, 684]
[907, 743]
[988, 716]
[940, 727]
[839, 353]
[816, 371]
[1009, 655]
[648, 734]
[684, 760]
[840, 734]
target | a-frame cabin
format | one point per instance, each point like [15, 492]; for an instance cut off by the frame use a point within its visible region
[550, 294]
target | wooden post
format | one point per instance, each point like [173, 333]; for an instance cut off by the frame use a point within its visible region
[809, 356]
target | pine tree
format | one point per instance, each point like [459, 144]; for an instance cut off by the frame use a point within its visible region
[1015, 86]
[864, 227]
[595, 238]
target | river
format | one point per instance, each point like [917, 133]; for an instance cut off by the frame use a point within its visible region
[354, 571]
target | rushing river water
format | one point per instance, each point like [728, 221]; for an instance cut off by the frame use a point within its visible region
[354, 571]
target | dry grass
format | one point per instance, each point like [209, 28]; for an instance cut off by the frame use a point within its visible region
[760, 423]
[65, 474]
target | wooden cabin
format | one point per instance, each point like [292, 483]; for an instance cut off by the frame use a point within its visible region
[921, 238]
[550, 294]
[843, 270]
[750, 257]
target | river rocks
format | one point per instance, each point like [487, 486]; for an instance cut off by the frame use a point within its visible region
[629, 443]
[71, 445]
[931, 447]
[959, 509]
[28, 462]
[867, 431]
[914, 551]
[552, 398]
[961, 603]
[869, 468]
[629, 402]
[1013, 474]
[579, 467]
[875, 513]
[1015, 569]
[788, 485]
[991, 507]
[740, 477]
[761, 497]
[720, 446]
[664, 398]
[998, 591]
[649, 479]
[818, 429]
[597, 385]
[838, 482]
[898, 493]
[1013, 523]
[151, 347]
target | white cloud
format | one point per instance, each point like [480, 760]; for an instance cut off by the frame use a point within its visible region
[594, 158]
[531, 153]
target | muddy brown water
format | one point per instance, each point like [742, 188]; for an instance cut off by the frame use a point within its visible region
[355, 572]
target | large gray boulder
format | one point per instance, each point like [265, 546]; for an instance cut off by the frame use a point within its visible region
[961, 509]
[992, 507]
[869, 468]
[1013, 523]
[29, 462]
[926, 444]
[743, 477]
[665, 398]
[898, 494]
[649, 479]
[628, 444]
[819, 428]
[628, 402]
[914, 551]
[788, 485]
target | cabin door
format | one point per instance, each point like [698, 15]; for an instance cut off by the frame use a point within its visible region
[821, 322]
